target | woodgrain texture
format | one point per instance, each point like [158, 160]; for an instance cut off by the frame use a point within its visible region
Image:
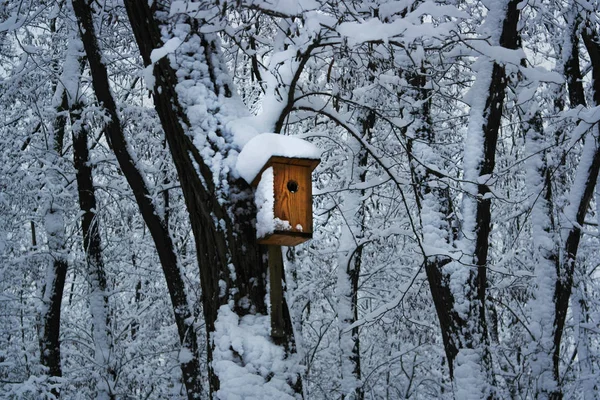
[294, 206]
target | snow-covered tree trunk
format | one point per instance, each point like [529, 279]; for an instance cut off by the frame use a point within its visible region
[52, 295]
[584, 337]
[353, 211]
[435, 207]
[99, 306]
[68, 91]
[220, 207]
[545, 256]
[92, 244]
[473, 369]
[189, 357]
[543, 166]
[54, 222]
[579, 198]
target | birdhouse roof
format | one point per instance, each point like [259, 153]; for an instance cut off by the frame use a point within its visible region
[260, 149]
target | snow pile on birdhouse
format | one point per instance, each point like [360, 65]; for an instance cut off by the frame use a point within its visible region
[261, 148]
[265, 199]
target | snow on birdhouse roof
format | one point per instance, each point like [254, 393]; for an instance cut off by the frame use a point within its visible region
[257, 152]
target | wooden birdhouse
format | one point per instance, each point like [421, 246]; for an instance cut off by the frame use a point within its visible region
[292, 199]
[280, 169]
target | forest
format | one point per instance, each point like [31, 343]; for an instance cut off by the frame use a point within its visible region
[455, 250]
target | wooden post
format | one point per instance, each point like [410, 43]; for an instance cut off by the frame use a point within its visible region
[276, 278]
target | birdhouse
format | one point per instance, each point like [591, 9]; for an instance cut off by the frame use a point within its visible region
[291, 186]
[280, 169]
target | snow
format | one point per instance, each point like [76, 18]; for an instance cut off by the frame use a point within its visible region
[266, 223]
[54, 222]
[243, 130]
[148, 75]
[10, 24]
[249, 365]
[178, 7]
[169, 47]
[287, 7]
[282, 225]
[468, 375]
[185, 355]
[502, 55]
[265, 200]
[375, 30]
[409, 29]
[540, 74]
[261, 148]
[72, 70]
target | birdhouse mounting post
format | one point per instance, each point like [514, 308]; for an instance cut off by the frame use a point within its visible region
[276, 283]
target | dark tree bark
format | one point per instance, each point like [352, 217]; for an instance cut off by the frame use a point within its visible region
[509, 39]
[572, 68]
[162, 240]
[50, 334]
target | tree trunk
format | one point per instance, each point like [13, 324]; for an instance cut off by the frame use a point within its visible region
[232, 267]
[49, 335]
[545, 255]
[579, 198]
[92, 244]
[162, 240]
[349, 267]
[433, 200]
[52, 301]
[479, 162]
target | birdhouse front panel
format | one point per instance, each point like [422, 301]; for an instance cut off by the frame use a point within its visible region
[293, 196]
[292, 205]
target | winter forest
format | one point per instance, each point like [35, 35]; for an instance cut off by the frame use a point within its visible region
[456, 244]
